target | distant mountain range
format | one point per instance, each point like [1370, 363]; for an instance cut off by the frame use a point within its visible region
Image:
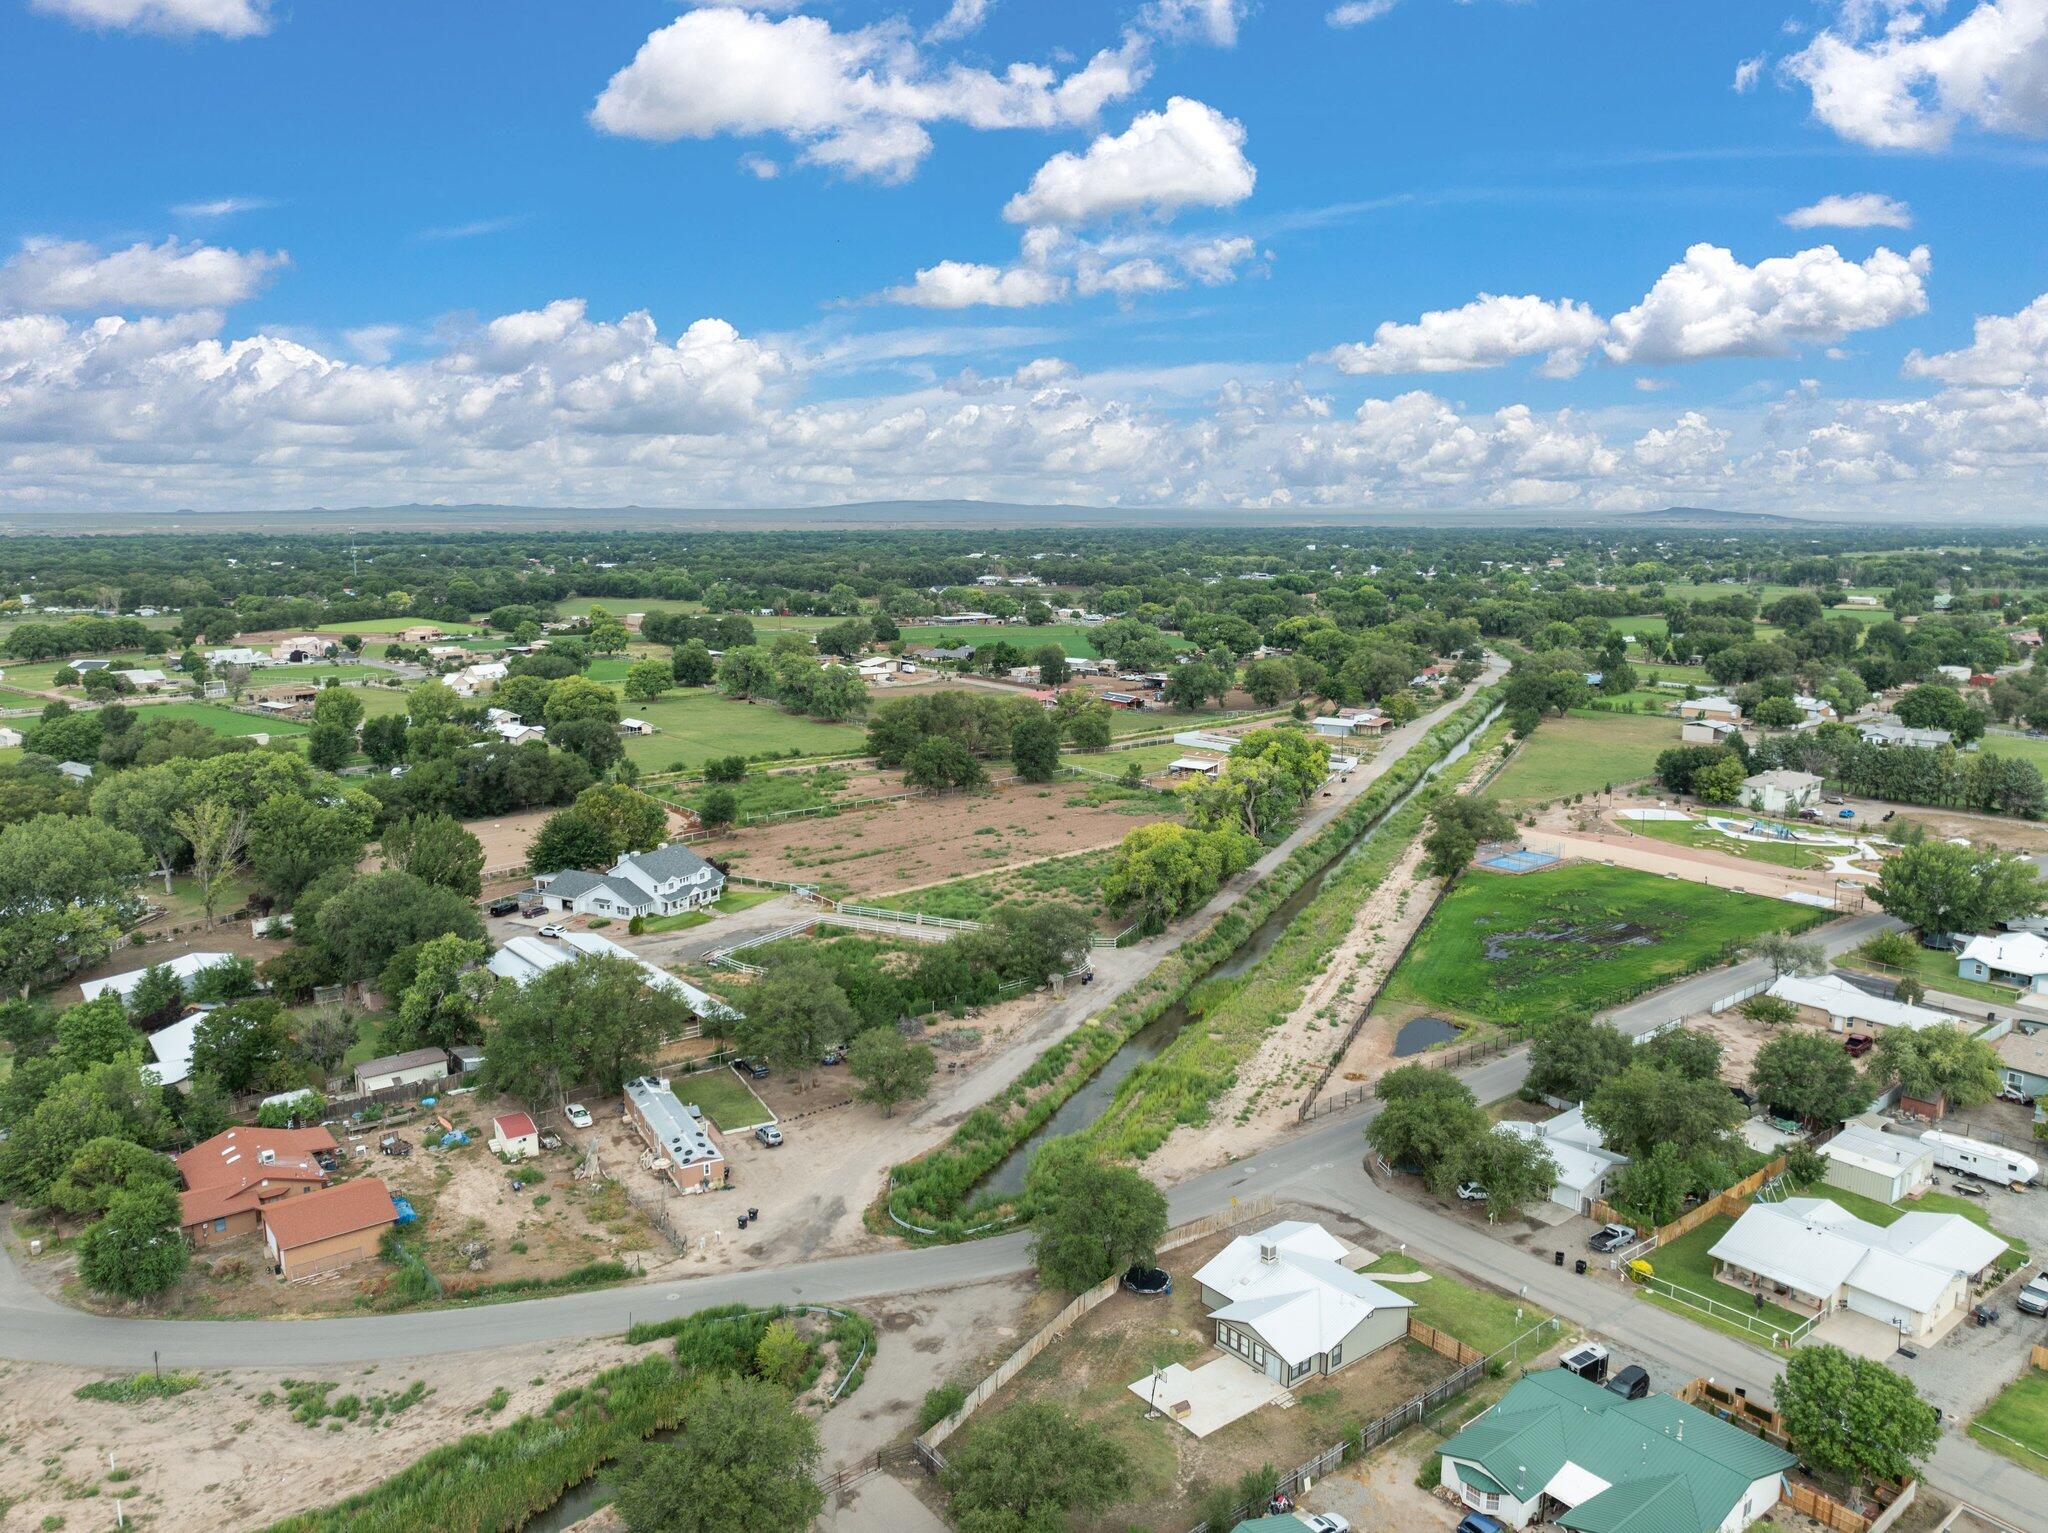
[876, 514]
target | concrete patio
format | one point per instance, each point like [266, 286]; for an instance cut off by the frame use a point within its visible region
[1207, 1399]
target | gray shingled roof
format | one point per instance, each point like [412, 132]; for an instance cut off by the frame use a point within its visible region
[667, 862]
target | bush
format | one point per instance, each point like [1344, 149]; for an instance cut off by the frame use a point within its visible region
[940, 1401]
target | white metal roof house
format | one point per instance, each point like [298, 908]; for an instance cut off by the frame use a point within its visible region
[1777, 791]
[662, 882]
[1913, 1275]
[1583, 1161]
[1878, 1165]
[1834, 1001]
[1889, 732]
[184, 966]
[171, 1048]
[682, 1140]
[1724, 709]
[2010, 958]
[522, 959]
[1282, 1302]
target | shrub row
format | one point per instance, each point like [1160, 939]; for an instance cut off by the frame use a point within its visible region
[936, 1190]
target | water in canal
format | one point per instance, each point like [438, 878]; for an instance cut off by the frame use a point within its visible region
[1150, 1041]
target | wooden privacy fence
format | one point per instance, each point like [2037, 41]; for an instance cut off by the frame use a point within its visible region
[1735, 1407]
[1728, 1201]
[929, 1443]
[1443, 1342]
[2038, 1358]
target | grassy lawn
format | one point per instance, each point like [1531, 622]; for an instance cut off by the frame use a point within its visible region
[1150, 758]
[2019, 747]
[1476, 1317]
[1583, 754]
[726, 1100]
[2016, 1420]
[1074, 638]
[1582, 938]
[1782, 854]
[1128, 721]
[1937, 971]
[697, 725]
[1685, 1262]
[224, 721]
[619, 606]
[682, 921]
[391, 625]
[183, 901]
[761, 794]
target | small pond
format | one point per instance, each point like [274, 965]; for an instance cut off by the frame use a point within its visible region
[1421, 1033]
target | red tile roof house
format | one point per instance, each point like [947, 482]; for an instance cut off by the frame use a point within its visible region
[334, 1227]
[232, 1178]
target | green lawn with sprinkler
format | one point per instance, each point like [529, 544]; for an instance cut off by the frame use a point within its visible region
[1577, 938]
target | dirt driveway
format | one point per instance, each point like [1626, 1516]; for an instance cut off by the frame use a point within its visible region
[1736, 875]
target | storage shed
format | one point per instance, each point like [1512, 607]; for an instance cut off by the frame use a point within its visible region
[1883, 1166]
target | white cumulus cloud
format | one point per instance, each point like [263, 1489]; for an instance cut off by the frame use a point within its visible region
[1489, 331]
[962, 17]
[1188, 155]
[177, 274]
[1711, 305]
[174, 18]
[1883, 76]
[1861, 210]
[970, 284]
[854, 101]
[1356, 13]
[2005, 351]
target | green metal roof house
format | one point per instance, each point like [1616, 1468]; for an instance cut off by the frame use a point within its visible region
[1598, 1463]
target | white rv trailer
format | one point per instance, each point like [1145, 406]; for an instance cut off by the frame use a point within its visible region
[1973, 1157]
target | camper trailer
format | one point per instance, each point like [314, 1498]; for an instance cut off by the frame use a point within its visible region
[1973, 1157]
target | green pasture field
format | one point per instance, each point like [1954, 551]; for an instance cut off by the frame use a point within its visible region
[2019, 747]
[1074, 638]
[223, 721]
[696, 725]
[1583, 753]
[760, 793]
[41, 675]
[619, 606]
[1150, 758]
[390, 625]
[1578, 938]
[1072, 880]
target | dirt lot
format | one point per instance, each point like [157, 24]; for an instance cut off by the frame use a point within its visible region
[1090, 1368]
[463, 1196]
[922, 841]
[223, 937]
[813, 1191]
[229, 1454]
[1579, 834]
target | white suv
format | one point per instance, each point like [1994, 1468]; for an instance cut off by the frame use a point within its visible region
[2033, 1298]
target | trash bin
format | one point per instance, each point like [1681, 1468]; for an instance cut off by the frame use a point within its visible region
[1579, 1266]
[1557, 1258]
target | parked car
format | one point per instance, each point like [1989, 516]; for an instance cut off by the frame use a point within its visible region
[1845, 814]
[1632, 1383]
[1322, 1522]
[1479, 1522]
[577, 1114]
[833, 1056]
[535, 909]
[755, 1067]
[769, 1135]
[2033, 1299]
[1139, 1278]
[1612, 1237]
[504, 905]
[1743, 1095]
[1809, 814]
[554, 929]
[1859, 1044]
[1471, 1192]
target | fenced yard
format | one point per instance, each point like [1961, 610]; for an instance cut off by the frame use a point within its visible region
[1578, 938]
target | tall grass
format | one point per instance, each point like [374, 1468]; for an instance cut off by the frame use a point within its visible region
[936, 1191]
[491, 1481]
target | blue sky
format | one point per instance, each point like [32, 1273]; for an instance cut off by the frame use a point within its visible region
[265, 253]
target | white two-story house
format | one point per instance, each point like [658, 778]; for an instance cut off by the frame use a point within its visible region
[663, 882]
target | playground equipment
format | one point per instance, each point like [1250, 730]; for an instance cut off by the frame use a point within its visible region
[1774, 832]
